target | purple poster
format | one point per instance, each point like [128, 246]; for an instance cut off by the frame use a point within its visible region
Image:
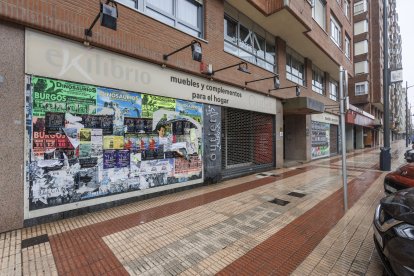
[109, 159]
[122, 159]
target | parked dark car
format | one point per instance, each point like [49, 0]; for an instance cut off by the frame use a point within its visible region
[401, 178]
[394, 232]
[409, 155]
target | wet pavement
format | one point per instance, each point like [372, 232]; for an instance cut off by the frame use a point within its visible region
[281, 222]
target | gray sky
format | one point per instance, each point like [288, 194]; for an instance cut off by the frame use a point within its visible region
[405, 10]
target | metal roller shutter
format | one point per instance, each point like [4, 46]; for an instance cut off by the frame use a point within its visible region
[333, 135]
[247, 142]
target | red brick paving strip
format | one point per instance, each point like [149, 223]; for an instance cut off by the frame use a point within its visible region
[284, 251]
[83, 252]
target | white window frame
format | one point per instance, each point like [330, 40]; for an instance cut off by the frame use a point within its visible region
[295, 67]
[333, 90]
[361, 67]
[318, 79]
[173, 20]
[347, 46]
[362, 25]
[361, 88]
[360, 7]
[336, 32]
[319, 4]
[347, 8]
[361, 47]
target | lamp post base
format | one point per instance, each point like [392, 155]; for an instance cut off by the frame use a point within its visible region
[385, 159]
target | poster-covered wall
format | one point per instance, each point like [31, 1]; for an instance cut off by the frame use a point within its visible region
[88, 142]
[319, 140]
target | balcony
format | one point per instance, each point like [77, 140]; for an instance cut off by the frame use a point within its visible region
[292, 21]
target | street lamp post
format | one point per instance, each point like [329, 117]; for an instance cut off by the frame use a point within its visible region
[407, 117]
[385, 155]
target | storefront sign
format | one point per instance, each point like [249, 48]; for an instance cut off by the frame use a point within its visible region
[326, 118]
[212, 143]
[58, 58]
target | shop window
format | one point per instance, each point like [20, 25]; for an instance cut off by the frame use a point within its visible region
[333, 90]
[249, 41]
[186, 15]
[317, 80]
[319, 12]
[295, 67]
[361, 88]
[336, 32]
[97, 141]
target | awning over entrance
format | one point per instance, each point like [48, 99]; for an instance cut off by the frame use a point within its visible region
[377, 123]
[356, 116]
[303, 105]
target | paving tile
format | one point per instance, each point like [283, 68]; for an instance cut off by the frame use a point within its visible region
[210, 229]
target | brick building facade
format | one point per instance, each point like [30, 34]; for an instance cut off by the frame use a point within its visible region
[85, 117]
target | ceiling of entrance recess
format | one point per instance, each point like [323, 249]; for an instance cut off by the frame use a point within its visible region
[286, 26]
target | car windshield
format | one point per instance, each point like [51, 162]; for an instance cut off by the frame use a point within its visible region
[400, 205]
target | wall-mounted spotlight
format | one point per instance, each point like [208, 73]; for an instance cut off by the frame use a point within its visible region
[242, 67]
[280, 88]
[108, 14]
[196, 50]
[276, 81]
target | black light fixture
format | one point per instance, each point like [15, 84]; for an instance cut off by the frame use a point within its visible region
[108, 14]
[241, 68]
[196, 50]
[280, 88]
[276, 81]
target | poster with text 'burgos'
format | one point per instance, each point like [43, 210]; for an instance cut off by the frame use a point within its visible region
[150, 104]
[61, 96]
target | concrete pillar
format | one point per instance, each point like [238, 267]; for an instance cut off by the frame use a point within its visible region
[349, 134]
[12, 124]
[279, 131]
[359, 137]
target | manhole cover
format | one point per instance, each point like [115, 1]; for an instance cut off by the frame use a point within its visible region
[34, 241]
[279, 201]
[296, 194]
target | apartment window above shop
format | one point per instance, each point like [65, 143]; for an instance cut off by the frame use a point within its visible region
[319, 12]
[361, 27]
[185, 15]
[333, 90]
[361, 47]
[361, 67]
[248, 41]
[347, 8]
[317, 80]
[347, 46]
[336, 32]
[361, 88]
[360, 7]
[295, 67]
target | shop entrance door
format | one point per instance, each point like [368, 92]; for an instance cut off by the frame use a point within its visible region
[333, 134]
[247, 142]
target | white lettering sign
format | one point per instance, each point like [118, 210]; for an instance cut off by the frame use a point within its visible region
[54, 57]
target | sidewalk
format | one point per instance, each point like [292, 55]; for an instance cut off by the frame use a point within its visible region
[286, 221]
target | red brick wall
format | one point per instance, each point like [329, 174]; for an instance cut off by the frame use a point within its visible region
[142, 37]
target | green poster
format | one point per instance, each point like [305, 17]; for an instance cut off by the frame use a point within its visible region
[61, 96]
[154, 103]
